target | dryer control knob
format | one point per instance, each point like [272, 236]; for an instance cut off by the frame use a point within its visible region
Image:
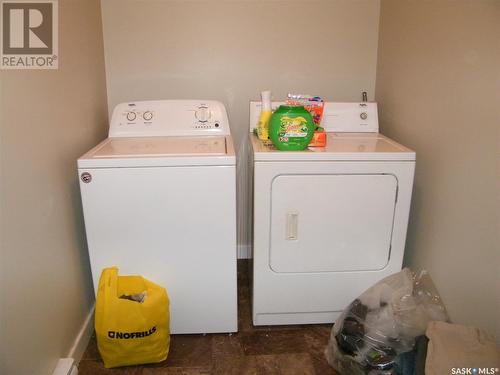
[147, 116]
[202, 114]
[363, 115]
[131, 116]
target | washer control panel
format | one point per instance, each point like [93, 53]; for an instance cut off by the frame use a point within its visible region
[169, 118]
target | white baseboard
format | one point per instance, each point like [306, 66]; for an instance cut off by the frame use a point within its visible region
[244, 251]
[68, 366]
[83, 337]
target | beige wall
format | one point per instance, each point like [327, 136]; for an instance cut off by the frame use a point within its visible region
[48, 119]
[438, 85]
[232, 50]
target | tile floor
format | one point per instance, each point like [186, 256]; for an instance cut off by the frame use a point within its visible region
[284, 350]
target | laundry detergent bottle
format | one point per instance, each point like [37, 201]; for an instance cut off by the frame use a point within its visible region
[265, 115]
[291, 128]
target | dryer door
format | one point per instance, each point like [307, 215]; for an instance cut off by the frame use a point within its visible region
[327, 223]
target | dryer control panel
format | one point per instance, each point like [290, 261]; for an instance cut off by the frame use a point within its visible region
[169, 118]
[341, 117]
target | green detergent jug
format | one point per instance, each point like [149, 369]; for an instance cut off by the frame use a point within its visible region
[291, 128]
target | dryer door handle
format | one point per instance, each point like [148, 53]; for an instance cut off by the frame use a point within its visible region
[292, 224]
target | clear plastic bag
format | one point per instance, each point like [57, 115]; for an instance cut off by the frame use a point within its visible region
[383, 323]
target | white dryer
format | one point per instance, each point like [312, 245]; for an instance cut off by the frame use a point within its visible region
[328, 222]
[159, 200]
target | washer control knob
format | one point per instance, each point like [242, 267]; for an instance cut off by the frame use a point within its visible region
[147, 116]
[202, 114]
[131, 116]
[363, 115]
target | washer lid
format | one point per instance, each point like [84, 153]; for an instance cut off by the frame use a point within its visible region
[159, 151]
[339, 146]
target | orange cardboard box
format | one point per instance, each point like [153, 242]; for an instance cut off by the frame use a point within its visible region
[319, 139]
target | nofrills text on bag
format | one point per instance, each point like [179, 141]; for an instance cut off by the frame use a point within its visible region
[131, 335]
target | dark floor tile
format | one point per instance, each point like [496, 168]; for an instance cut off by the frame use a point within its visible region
[92, 352]
[244, 310]
[190, 351]
[247, 365]
[225, 346]
[274, 364]
[245, 320]
[244, 295]
[244, 298]
[93, 367]
[295, 364]
[273, 342]
[317, 339]
[243, 276]
[232, 365]
[263, 365]
[321, 367]
[176, 371]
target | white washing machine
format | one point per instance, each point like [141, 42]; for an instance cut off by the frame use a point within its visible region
[159, 201]
[328, 222]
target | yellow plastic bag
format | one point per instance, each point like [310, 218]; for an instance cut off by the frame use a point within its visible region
[130, 331]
